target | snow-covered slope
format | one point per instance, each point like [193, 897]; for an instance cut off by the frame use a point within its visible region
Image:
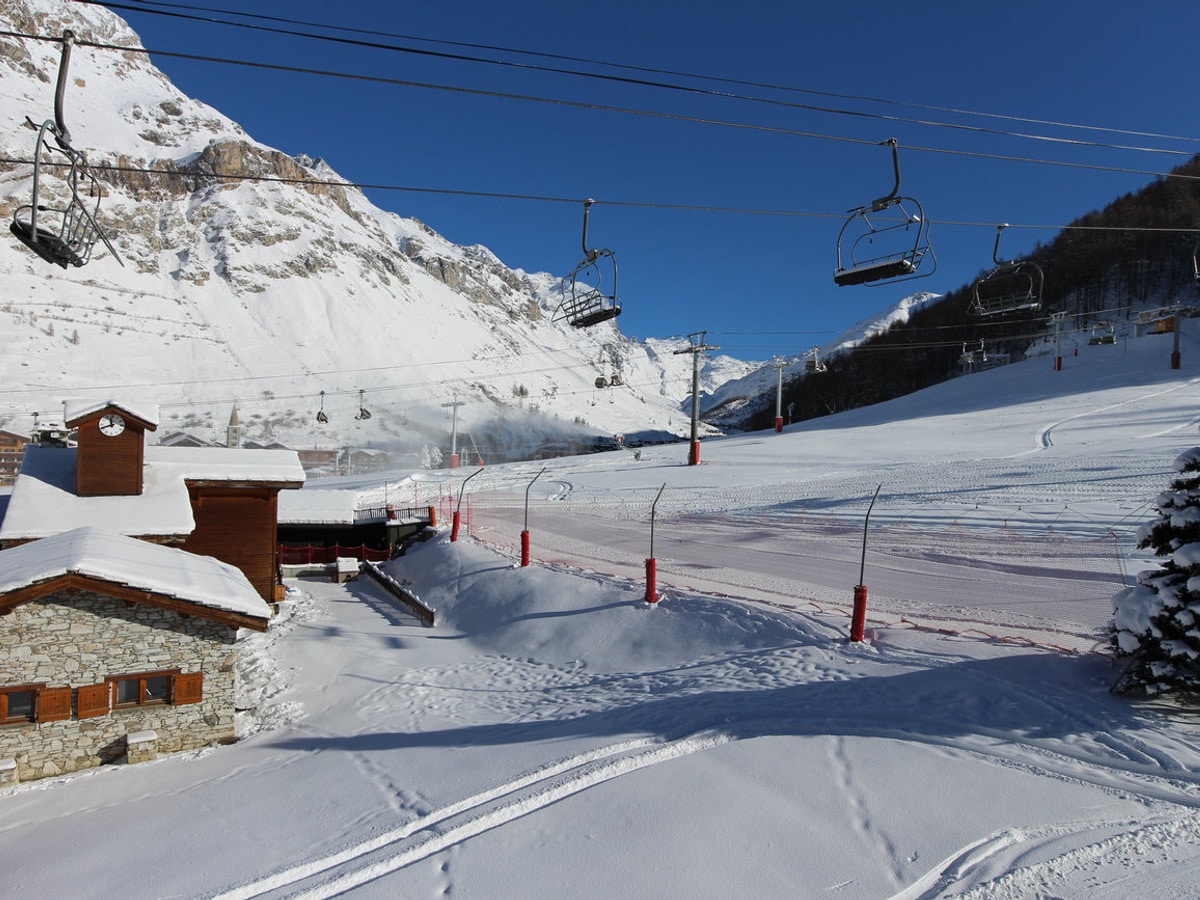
[733, 398]
[287, 293]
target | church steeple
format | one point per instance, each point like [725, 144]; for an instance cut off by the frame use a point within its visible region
[233, 432]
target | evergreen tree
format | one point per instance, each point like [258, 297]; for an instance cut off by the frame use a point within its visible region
[1157, 623]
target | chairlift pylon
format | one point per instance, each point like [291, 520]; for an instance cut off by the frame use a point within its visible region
[814, 363]
[65, 234]
[1010, 287]
[363, 412]
[875, 245]
[322, 419]
[586, 301]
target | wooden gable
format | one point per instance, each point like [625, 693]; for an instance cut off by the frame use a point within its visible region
[111, 454]
[73, 582]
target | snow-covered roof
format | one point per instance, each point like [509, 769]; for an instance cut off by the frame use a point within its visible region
[317, 507]
[168, 571]
[44, 501]
[74, 410]
[277, 467]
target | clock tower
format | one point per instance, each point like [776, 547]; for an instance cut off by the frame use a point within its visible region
[111, 441]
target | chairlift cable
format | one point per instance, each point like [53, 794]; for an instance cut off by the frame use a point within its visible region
[600, 107]
[656, 84]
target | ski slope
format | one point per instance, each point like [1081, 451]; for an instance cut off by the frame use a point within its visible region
[555, 735]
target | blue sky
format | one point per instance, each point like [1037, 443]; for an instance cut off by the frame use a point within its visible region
[667, 185]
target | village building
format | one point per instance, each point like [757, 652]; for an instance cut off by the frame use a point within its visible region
[211, 501]
[12, 449]
[126, 571]
[115, 647]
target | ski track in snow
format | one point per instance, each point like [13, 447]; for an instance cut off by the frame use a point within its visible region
[449, 825]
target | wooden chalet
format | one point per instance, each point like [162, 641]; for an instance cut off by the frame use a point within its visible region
[12, 449]
[113, 647]
[212, 501]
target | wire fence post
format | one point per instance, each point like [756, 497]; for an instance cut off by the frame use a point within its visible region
[651, 562]
[859, 618]
[525, 530]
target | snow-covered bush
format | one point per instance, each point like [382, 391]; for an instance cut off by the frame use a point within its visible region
[1156, 624]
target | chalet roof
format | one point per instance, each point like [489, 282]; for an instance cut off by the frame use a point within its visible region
[104, 556]
[44, 501]
[75, 411]
[317, 507]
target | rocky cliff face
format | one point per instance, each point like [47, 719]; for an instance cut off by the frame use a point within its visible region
[257, 277]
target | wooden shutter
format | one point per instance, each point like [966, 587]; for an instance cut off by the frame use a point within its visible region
[92, 700]
[53, 704]
[188, 688]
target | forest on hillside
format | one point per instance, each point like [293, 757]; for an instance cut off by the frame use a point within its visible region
[1104, 267]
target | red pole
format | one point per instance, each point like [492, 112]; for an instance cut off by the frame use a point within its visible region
[778, 424]
[651, 580]
[694, 454]
[1176, 359]
[858, 622]
[454, 526]
[525, 548]
[454, 460]
[433, 517]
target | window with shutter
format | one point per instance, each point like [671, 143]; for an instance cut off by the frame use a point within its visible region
[92, 700]
[188, 688]
[53, 704]
[17, 702]
[143, 689]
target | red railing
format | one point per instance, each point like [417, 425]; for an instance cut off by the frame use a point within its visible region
[311, 555]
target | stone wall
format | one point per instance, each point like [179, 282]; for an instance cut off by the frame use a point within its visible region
[81, 638]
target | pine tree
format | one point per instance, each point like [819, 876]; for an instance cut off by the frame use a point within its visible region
[1156, 624]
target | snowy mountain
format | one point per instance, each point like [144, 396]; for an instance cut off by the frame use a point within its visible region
[732, 399]
[250, 277]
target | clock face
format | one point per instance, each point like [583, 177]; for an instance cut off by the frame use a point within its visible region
[111, 425]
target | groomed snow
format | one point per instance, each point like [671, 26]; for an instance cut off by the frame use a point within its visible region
[556, 736]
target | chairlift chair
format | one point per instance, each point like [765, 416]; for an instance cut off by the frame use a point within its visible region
[601, 381]
[1009, 287]
[1103, 333]
[363, 412]
[66, 233]
[322, 419]
[975, 357]
[586, 301]
[887, 240]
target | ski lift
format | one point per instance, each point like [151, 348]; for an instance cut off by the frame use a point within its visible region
[585, 301]
[884, 248]
[615, 381]
[1103, 333]
[601, 381]
[322, 419]
[66, 234]
[814, 364]
[363, 412]
[1010, 287]
[970, 358]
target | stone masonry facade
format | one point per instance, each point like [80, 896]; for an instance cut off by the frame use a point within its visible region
[80, 638]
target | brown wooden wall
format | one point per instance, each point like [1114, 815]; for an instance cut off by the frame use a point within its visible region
[237, 526]
[109, 466]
